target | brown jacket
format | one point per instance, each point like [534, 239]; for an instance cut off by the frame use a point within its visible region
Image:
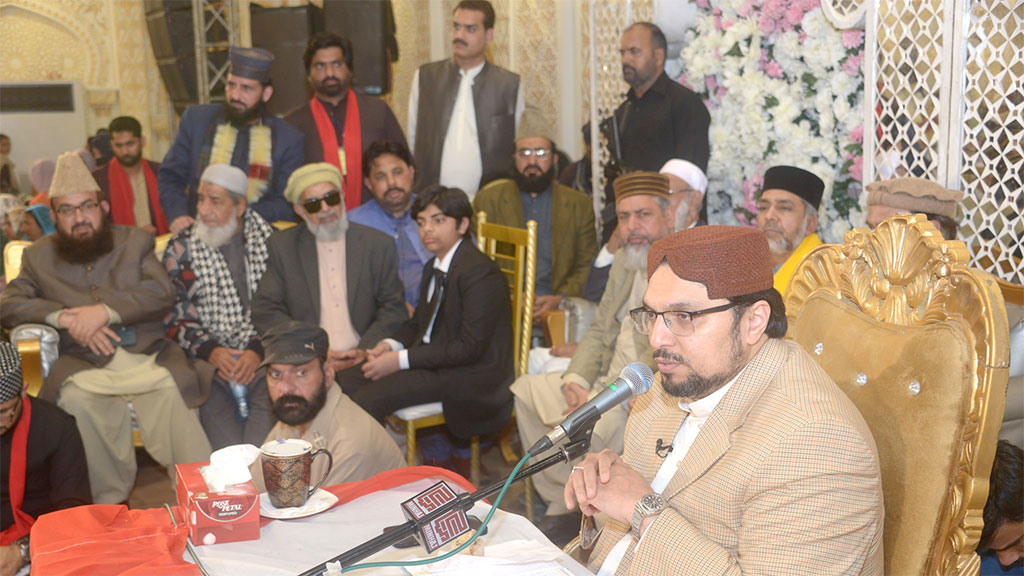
[783, 478]
[129, 280]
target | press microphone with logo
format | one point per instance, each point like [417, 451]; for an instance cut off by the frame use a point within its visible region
[635, 379]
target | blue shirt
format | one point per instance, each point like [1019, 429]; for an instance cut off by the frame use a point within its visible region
[538, 209]
[412, 255]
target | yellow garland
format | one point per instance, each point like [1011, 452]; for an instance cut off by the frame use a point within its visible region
[260, 153]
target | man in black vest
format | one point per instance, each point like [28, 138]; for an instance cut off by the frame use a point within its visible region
[464, 110]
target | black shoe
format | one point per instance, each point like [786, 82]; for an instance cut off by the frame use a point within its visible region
[561, 529]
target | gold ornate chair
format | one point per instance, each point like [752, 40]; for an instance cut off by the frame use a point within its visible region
[918, 340]
[515, 252]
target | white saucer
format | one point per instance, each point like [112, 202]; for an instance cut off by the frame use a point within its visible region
[320, 500]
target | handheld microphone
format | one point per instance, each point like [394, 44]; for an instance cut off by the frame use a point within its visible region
[634, 379]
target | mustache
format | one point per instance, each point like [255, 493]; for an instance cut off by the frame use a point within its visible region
[664, 354]
[395, 189]
[458, 42]
[626, 67]
[773, 227]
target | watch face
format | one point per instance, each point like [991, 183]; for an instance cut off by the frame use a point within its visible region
[652, 501]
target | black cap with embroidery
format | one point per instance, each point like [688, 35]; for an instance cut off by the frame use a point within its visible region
[294, 343]
[10, 372]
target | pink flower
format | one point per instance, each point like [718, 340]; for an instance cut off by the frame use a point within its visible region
[773, 69]
[852, 64]
[794, 16]
[728, 24]
[718, 22]
[684, 81]
[705, 4]
[853, 38]
[746, 9]
[711, 82]
[857, 168]
[857, 134]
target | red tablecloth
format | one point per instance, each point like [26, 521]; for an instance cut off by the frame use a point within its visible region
[111, 539]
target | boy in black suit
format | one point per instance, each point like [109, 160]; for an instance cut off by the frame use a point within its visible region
[457, 347]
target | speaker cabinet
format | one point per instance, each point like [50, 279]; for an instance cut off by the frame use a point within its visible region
[285, 32]
[370, 26]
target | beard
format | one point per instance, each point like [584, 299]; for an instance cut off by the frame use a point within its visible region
[331, 87]
[82, 250]
[245, 116]
[401, 203]
[128, 160]
[696, 386]
[534, 183]
[682, 215]
[636, 256]
[327, 231]
[293, 409]
[783, 245]
[216, 236]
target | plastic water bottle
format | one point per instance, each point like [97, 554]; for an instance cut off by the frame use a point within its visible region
[240, 392]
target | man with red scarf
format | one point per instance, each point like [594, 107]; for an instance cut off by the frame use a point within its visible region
[339, 124]
[128, 182]
[42, 462]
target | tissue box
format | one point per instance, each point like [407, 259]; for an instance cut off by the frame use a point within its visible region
[231, 515]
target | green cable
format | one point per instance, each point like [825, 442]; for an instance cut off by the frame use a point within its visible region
[188, 544]
[487, 519]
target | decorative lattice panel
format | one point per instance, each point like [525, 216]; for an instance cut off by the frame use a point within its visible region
[412, 25]
[536, 45]
[845, 14]
[992, 137]
[907, 81]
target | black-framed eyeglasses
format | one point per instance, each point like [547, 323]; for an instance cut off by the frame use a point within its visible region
[312, 206]
[86, 207]
[527, 153]
[678, 322]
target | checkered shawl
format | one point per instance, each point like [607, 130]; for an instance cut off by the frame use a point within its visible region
[782, 479]
[208, 306]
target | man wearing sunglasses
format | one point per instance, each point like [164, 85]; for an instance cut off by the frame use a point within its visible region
[330, 272]
[566, 239]
[744, 457]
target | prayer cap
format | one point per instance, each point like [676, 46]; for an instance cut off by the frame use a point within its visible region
[633, 183]
[294, 342]
[915, 195]
[252, 63]
[309, 175]
[227, 177]
[533, 125]
[10, 371]
[688, 172]
[71, 177]
[795, 180]
[728, 260]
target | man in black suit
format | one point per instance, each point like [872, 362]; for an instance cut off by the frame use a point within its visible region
[457, 347]
[327, 271]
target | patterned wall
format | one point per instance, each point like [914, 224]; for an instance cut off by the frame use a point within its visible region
[103, 44]
[947, 106]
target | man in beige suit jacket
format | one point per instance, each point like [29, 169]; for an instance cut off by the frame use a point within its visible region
[744, 458]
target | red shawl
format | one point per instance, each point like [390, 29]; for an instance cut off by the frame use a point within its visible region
[122, 197]
[352, 175]
[16, 482]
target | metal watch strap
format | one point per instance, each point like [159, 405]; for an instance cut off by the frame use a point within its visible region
[648, 505]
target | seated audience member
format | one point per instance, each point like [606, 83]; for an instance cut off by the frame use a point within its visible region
[8, 176]
[12, 222]
[338, 123]
[914, 196]
[41, 461]
[216, 265]
[330, 272]
[566, 240]
[36, 222]
[40, 174]
[389, 173]
[542, 400]
[7, 202]
[128, 182]
[457, 347]
[787, 213]
[770, 469]
[309, 405]
[1002, 538]
[101, 286]
[687, 185]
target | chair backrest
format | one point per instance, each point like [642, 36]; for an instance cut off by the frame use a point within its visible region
[918, 340]
[12, 257]
[515, 252]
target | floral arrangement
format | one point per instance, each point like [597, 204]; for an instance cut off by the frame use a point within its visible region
[783, 87]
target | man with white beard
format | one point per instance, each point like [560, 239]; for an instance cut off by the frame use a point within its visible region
[330, 272]
[542, 400]
[787, 213]
[215, 265]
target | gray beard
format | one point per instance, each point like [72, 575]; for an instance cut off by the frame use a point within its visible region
[682, 215]
[784, 245]
[636, 257]
[218, 236]
[330, 232]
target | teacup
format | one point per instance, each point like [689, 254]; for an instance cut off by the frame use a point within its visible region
[286, 470]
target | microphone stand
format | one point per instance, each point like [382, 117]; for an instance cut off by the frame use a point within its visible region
[465, 501]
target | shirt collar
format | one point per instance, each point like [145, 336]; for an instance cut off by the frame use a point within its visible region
[472, 72]
[445, 263]
[660, 87]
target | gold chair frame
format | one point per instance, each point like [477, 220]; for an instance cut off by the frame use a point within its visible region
[904, 274]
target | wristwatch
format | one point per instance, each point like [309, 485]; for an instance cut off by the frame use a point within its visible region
[648, 505]
[23, 549]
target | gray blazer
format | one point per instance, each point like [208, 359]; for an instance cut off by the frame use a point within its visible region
[290, 288]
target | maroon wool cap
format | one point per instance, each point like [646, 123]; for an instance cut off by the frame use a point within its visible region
[728, 260]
